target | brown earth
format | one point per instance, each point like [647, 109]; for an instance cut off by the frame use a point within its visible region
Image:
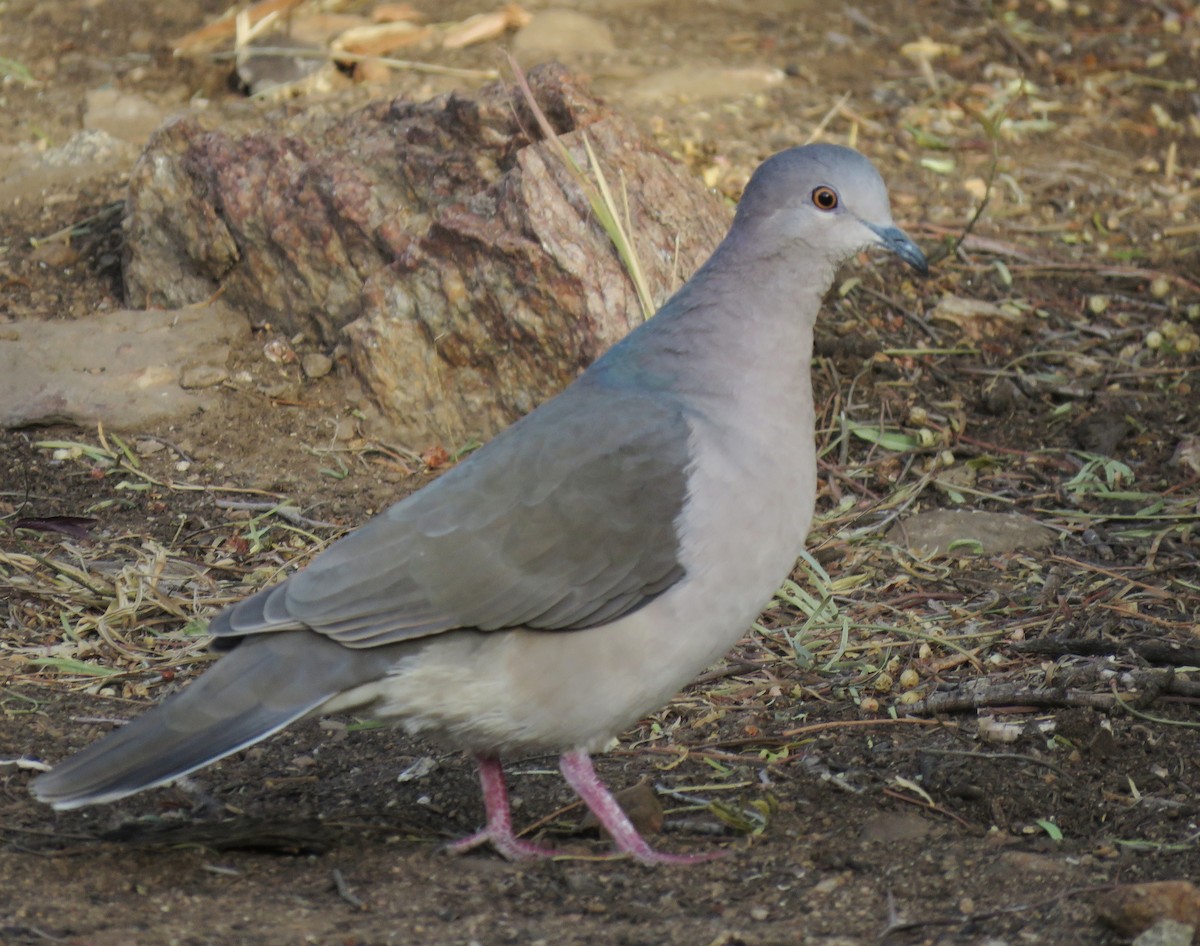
[846, 821]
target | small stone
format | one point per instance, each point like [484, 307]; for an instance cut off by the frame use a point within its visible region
[124, 115]
[279, 351]
[121, 368]
[563, 31]
[893, 827]
[759, 913]
[56, 254]
[145, 448]
[202, 376]
[142, 41]
[316, 364]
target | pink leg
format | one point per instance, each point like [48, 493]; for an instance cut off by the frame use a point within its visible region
[577, 769]
[498, 832]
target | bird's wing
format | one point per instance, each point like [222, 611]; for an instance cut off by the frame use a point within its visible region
[566, 520]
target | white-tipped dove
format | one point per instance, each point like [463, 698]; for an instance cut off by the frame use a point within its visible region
[580, 568]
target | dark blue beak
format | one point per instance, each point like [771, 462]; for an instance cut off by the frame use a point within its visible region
[899, 242]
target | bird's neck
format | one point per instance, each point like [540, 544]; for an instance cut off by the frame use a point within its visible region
[751, 315]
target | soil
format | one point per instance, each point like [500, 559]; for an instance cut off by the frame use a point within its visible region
[845, 821]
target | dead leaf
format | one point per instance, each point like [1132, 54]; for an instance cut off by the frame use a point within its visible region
[77, 527]
[379, 39]
[484, 26]
[640, 804]
[395, 12]
[435, 458]
[975, 317]
[212, 35]
[1187, 453]
[926, 48]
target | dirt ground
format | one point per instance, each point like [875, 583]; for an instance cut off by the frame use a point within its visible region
[973, 747]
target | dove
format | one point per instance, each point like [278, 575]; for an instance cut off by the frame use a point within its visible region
[578, 570]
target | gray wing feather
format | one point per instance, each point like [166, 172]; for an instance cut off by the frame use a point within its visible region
[257, 690]
[566, 520]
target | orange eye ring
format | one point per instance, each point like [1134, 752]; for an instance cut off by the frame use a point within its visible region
[825, 198]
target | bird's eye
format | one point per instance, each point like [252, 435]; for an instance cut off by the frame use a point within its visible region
[825, 198]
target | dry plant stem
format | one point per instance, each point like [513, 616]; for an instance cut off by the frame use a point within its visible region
[599, 197]
[1012, 695]
[859, 724]
[288, 513]
[923, 804]
[1014, 756]
[1160, 652]
[344, 891]
[409, 65]
[827, 118]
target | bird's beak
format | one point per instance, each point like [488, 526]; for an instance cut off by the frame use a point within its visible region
[899, 242]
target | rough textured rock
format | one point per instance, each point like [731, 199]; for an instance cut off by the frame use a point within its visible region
[123, 369]
[454, 258]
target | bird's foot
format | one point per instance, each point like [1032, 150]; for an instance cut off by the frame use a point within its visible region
[576, 767]
[504, 843]
[499, 830]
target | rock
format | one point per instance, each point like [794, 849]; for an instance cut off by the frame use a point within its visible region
[1187, 453]
[1131, 909]
[147, 448]
[457, 263]
[126, 116]
[55, 253]
[1012, 866]
[259, 74]
[891, 827]
[202, 375]
[984, 533]
[117, 368]
[1101, 432]
[316, 364]
[559, 33]
[27, 174]
[976, 318]
[699, 83]
[1167, 933]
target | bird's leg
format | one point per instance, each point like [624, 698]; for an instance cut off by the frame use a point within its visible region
[576, 767]
[499, 831]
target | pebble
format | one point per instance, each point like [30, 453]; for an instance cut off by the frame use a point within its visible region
[202, 376]
[698, 83]
[145, 448]
[316, 364]
[563, 31]
[124, 115]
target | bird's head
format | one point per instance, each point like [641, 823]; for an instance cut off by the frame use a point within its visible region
[828, 198]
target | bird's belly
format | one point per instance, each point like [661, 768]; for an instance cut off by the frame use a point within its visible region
[525, 690]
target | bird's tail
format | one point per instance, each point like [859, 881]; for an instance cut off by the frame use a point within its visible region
[265, 683]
